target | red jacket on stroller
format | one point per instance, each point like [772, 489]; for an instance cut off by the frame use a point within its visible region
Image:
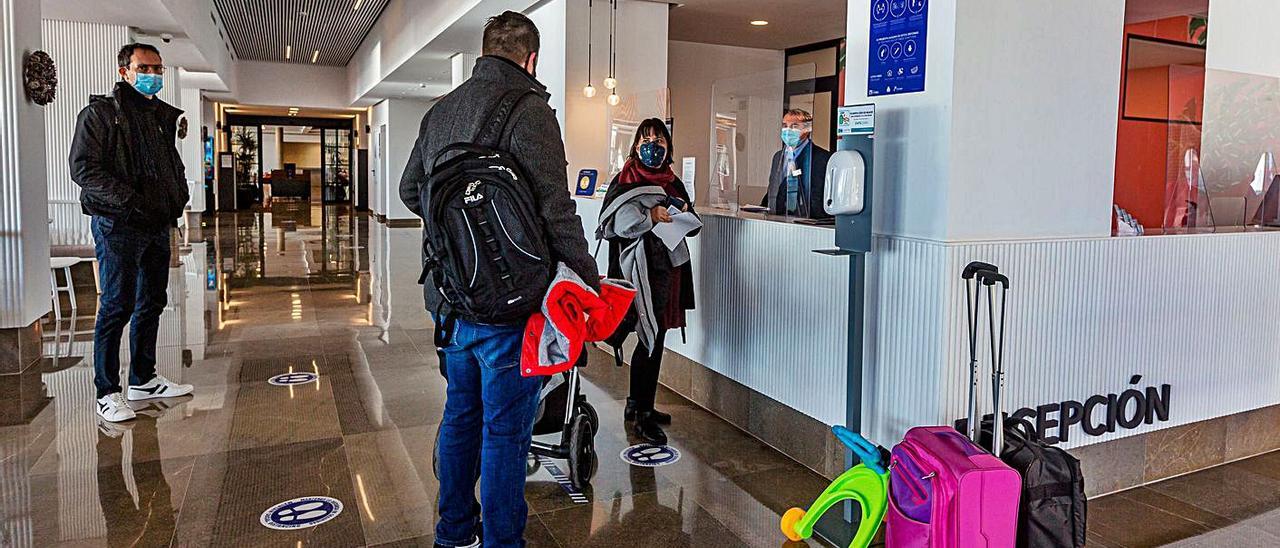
[572, 315]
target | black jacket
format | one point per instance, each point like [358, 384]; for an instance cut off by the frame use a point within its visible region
[100, 163]
[813, 161]
[660, 267]
[532, 136]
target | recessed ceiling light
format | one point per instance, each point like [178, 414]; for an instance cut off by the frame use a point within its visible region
[357, 5]
[315, 55]
[288, 52]
[759, 22]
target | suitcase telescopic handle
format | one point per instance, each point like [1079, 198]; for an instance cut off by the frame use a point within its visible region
[990, 278]
[975, 267]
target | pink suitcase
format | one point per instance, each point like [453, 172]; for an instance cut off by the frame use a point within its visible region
[946, 492]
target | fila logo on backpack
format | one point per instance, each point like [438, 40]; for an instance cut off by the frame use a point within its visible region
[485, 247]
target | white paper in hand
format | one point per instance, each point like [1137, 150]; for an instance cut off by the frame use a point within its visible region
[672, 233]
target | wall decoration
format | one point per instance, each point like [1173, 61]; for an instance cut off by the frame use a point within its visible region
[182, 128]
[40, 77]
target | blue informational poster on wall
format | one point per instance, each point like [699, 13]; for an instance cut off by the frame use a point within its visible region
[899, 31]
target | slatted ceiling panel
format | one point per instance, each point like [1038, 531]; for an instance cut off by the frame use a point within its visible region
[262, 30]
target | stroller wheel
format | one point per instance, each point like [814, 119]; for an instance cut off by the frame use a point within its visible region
[582, 452]
[589, 411]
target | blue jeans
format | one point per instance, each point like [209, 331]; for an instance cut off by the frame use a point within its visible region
[133, 268]
[485, 436]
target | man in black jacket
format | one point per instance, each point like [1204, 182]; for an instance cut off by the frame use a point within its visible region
[488, 418]
[133, 184]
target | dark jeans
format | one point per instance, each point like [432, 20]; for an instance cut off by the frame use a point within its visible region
[485, 436]
[645, 367]
[133, 268]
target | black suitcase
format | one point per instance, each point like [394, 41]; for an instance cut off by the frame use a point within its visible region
[1052, 509]
[1052, 505]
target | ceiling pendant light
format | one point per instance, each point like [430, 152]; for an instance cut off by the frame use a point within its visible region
[589, 91]
[611, 82]
[614, 99]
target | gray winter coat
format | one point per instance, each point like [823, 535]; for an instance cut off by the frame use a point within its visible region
[626, 217]
[532, 136]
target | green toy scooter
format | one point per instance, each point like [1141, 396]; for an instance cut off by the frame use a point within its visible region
[866, 483]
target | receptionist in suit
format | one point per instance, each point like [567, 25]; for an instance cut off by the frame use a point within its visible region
[797, 176]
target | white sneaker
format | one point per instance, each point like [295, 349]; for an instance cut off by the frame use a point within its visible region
[113, 408]
[159, 387]
[114, 430]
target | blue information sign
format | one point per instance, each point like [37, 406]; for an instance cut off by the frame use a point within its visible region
[899, 30]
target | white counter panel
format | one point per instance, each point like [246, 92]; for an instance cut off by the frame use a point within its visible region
[771, 314]
[1196, 312]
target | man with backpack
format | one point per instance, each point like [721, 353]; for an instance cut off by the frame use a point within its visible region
[487, 176]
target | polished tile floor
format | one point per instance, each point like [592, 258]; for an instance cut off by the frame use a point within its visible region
[310, 289]
[320, 290]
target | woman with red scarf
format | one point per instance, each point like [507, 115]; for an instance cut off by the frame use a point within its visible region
[640, 197]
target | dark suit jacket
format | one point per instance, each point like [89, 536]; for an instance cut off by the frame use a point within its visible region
[813, 162]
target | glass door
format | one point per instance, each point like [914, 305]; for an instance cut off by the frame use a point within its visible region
[336, 165]
[245, 149]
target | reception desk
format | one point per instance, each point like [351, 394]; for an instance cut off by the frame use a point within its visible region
[766, 346]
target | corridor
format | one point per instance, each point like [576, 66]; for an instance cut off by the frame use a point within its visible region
[311, 289]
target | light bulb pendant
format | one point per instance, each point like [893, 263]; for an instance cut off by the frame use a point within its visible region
[614, 99]
[589, 91]
[610, 83]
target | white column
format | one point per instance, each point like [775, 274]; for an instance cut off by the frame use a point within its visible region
[272, 148]
[996, 147]
[24, 228]
[192, 147]
[462, 64]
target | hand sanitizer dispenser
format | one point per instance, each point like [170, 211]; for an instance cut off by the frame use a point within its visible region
[846, 181]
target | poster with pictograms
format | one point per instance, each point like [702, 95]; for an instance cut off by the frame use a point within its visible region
[899, 32]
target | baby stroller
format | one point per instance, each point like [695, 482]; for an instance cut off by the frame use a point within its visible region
[561, 408]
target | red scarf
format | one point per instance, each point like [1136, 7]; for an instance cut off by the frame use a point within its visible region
[636, 173]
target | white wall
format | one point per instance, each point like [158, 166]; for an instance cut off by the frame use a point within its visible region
[24, 232]
[193, 15]
[549, 17]
[1006, 142]
[86, 57]
[1034, 124]
[401, 118]
[913, 131]
[692, 70]
[1242, 35]
[641, 68]
[400, 33]
[293, 85]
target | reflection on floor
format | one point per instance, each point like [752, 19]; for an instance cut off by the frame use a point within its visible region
[1236, 505]
[321, 290]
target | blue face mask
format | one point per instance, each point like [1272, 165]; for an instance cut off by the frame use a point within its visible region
[790, 137]
[148, 84]
[652, 154]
